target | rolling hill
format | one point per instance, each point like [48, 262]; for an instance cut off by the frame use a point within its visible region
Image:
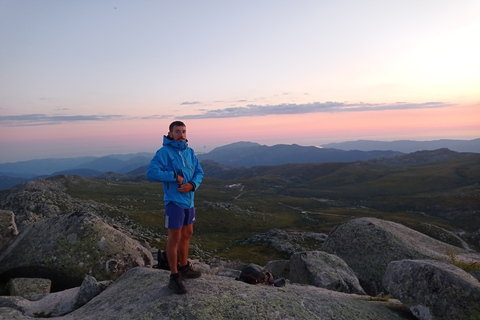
[407, 146]
[434, 192]
[247, 154]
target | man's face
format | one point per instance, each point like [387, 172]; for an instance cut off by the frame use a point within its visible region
[179, 133]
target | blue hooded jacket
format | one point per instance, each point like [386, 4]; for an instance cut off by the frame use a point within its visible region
[176, 158]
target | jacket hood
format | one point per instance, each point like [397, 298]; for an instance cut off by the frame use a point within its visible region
[179, 145]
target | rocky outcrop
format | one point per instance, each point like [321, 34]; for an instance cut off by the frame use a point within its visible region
[54, 304]
[66, 248]
[89, 289]
[8, 227]
[66, 240]
[47, 198]
[312, 291]
[279, 268]
[434, 289]
[289, 242]
[142, 293]
[368, 245]
[41, 199]
[323, 270]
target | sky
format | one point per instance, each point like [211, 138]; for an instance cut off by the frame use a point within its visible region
[92, 78]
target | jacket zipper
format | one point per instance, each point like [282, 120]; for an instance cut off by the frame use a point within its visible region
[185, 163]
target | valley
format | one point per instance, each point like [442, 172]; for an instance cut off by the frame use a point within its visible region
[436, 193]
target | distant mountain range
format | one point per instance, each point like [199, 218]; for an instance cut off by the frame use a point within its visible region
[407, 146]
[119, 163]
[249, 154]
[239, 154]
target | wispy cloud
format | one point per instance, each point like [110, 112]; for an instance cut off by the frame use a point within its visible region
[315, 107]
[157, 116]
[43, 119]
[250, 110]
[190, 102]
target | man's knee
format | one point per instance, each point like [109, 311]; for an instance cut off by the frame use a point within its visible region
[175, 235]
[187, 231]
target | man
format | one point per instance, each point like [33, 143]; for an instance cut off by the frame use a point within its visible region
[176, 165]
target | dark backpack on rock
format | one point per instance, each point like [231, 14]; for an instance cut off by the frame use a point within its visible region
[162, 261]
[254, 274]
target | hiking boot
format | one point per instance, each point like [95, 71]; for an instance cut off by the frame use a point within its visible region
[187, 272]
[176, 284]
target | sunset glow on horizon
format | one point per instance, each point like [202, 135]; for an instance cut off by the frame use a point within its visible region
[96, 78]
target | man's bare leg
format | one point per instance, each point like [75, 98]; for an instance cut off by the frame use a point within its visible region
[173, 241]
[184, 244]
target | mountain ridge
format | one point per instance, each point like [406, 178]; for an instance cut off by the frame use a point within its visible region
[239, 154]
[249, 155]
[408, 146]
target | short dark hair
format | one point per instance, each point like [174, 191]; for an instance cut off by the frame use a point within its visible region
[176, 123]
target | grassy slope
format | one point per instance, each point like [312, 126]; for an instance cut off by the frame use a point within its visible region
[312, 197]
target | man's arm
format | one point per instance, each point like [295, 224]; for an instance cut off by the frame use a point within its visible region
[157, 169]
[193, 184]
[198, 174]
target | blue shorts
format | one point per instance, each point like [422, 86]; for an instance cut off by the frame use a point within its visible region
[176, 217]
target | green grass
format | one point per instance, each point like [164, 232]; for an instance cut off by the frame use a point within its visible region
[313, 197]
[468, 266]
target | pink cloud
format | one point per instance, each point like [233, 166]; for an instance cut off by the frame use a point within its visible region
[126, 136]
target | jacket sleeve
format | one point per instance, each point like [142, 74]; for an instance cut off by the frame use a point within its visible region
[198, 172]
[158, 170]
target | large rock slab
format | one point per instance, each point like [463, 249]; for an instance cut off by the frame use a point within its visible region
[142, 293]
[48, 198]
[12, 314]
[368, 245]
[51, 305]
[54, 304]
[434, 289]
[288, 242]
[279, 268]
[67, 248]
[323, 270]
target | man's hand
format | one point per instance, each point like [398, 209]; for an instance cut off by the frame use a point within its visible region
[179, 179]
[184, 188]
